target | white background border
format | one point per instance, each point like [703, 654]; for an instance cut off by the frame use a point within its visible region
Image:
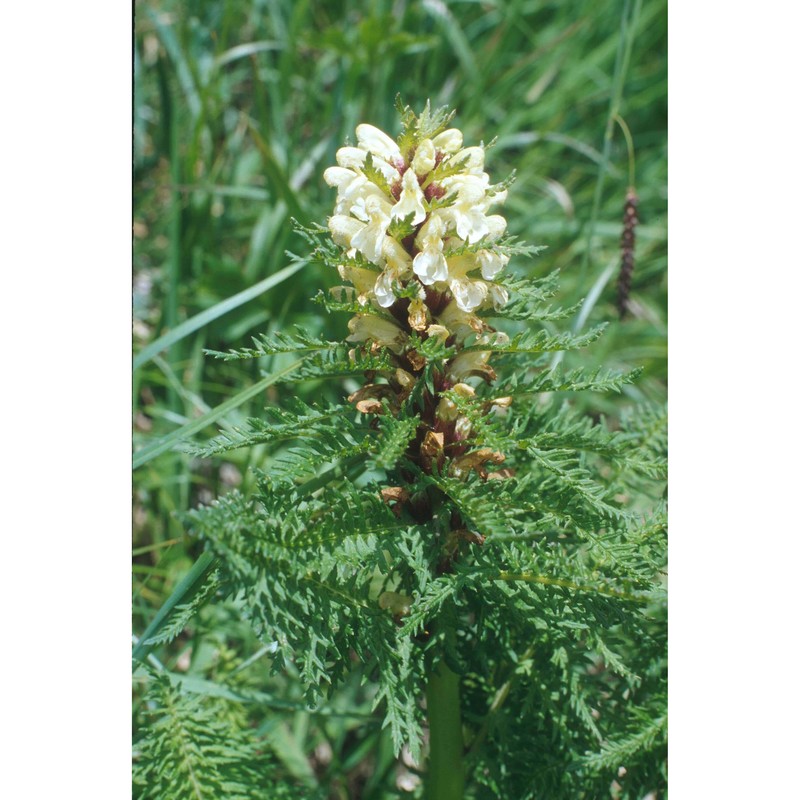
[734, 215]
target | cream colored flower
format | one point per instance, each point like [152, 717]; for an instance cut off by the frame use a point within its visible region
[362, 279]
[498, 295]
[491, 262]
[497, 227]
[343, 229]
[369, 240]
[472, 160]
[449, 141]
[338, 176]
[356, 157]
[468, 294]
[468, 213]
[411, 201]
[367, 327]
[352, 196]
[384, 285]
[460, 323]
[397, 257]
[430, 264]
[424, 158]
[383, 289]
[378, 143]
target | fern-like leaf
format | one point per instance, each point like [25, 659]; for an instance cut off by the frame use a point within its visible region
[272, 344]
[191, 751]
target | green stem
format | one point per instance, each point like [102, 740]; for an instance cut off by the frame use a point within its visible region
[445, 780]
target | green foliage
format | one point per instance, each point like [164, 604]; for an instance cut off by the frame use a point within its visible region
[270, 345]
[531, 342]
[192, 749]
[182, 614]
[565, 565]
[278, 425]
[425, 126]
[395, 439]
[307, 568]
[375, 176]
[556, 625]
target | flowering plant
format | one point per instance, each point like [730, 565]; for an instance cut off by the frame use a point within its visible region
[485, 558]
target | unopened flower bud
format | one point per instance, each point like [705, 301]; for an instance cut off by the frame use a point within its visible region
[463, 428]
[438, 331]
[404, 379]
[464, 390]
[418, 314]
[449, 141]
[447, 410]
[425, 158]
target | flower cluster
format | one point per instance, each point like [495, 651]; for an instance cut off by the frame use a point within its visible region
[413, 218]
[423, 251]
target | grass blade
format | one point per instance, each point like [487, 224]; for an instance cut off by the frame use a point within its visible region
[210, 314]
[170, 440]
[188, 585]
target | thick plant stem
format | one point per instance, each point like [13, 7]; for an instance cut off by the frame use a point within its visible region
[445, 780]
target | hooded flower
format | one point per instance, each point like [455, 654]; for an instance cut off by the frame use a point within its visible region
[369, 328]
[384, 293]
[424, 158]
[412, 201]
[369, 239]
[430, 264]
[468, 294]
[378, 143]
[449, 141]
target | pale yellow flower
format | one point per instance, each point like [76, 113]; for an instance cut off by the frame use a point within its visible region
[411, 201]
[377, 142]
[424, 158]
[449, 141]
[369, 328]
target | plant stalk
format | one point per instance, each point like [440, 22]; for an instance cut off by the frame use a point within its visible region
[445, 780]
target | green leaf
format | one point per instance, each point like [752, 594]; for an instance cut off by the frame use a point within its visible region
[272, 344]
[531, 342]
[169, 441]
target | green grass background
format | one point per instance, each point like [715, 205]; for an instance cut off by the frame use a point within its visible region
[238, 108]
